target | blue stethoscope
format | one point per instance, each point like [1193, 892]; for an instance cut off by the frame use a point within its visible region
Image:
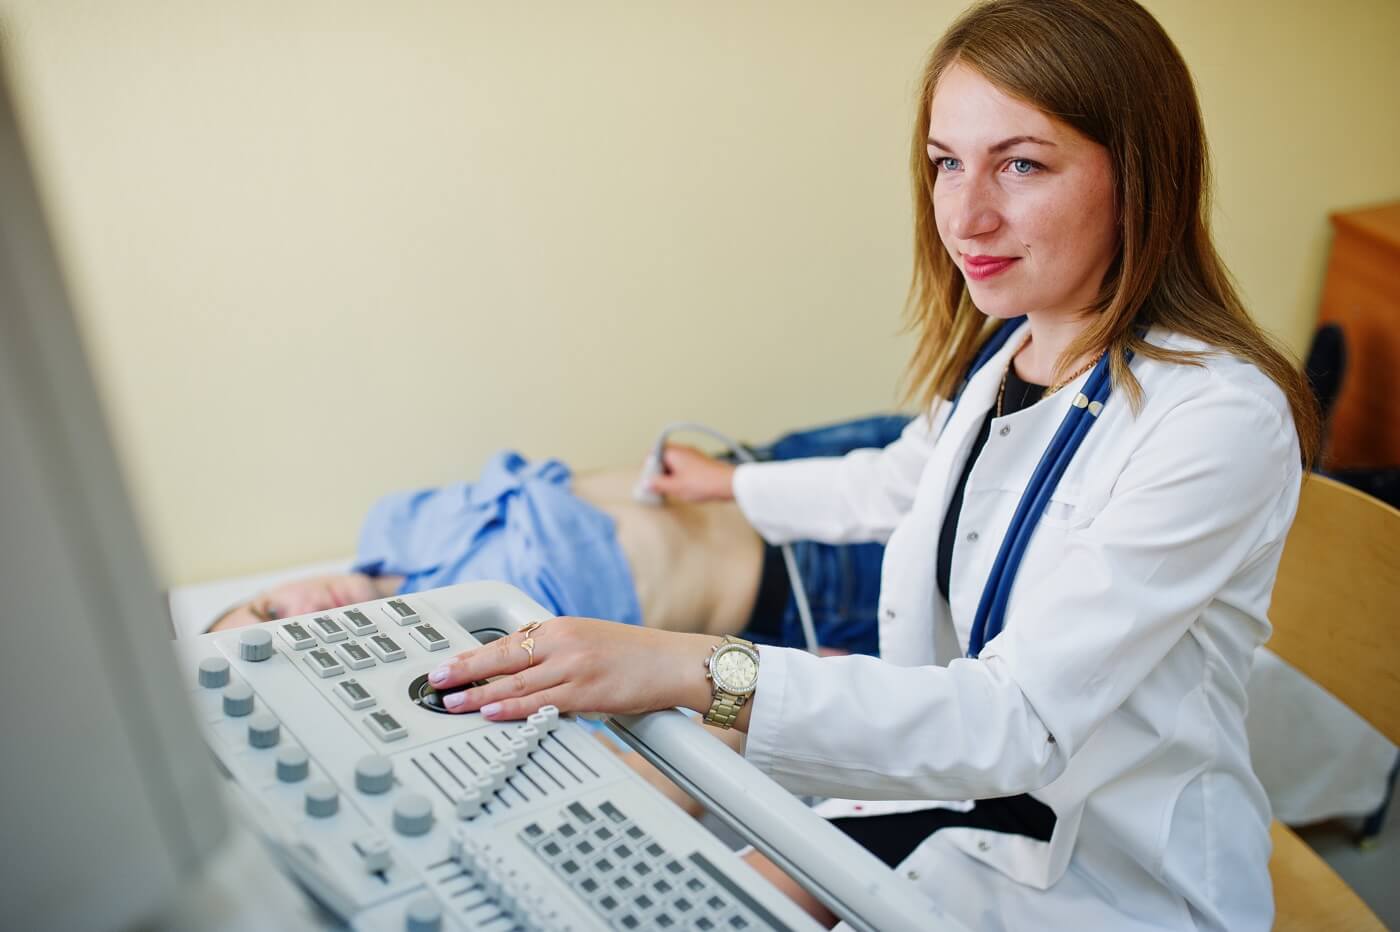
[1083, 413]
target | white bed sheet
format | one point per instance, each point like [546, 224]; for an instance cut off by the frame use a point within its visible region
[1315, 757]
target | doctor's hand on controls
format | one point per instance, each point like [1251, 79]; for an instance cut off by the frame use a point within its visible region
[1083, 529]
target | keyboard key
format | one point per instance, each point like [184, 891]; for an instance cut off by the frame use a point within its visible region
[324, 665]
[622, 852]
[386, 648]
[400, 612]
[604, 866]
[570, 867]
[551, 849]
[635, 833]
[532, 832]
[585, 847]
[663, 921]
[675, 867]
[429, 637]
[655, 850]
[629, 921]
[328, 629]
[354, 695]
[662, 886]
[296, 636]
[588, 886]
[581, 813]
[604, 834]
[567, 831]
[354, 656]
[611, 811]
[695, 885]
[623, 884]
[609, 903]
[641, 868]
[385, 726]
[359, 623]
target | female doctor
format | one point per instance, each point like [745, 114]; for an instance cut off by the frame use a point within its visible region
[1083, 532]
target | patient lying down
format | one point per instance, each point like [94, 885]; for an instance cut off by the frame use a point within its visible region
[581, 545]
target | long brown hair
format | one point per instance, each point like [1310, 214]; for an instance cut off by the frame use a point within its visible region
[1106, 68]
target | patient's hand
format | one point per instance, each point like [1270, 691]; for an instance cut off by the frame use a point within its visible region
[302, 596]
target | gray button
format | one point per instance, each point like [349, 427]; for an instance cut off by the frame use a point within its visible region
[322, 799]
[296, 636]
[292, 765]
[255, 644]
[424, 915]
[264, 731]
[238, 700]
[889, 613]
[984, 846]
[413, 814]
[353, 694]
[385, 726]
[359, 622]
[1006, 429]
[213, 672]
[972, 537]
[329, 629]
[374, 774]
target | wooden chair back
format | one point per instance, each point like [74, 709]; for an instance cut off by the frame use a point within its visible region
[1336, 617]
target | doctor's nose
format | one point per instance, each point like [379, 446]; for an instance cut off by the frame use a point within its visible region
[975, 212]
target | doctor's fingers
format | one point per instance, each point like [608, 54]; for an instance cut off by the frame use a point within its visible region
[516, 695]
[522, 650]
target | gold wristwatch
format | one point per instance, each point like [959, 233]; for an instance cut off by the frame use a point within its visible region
[732, 669]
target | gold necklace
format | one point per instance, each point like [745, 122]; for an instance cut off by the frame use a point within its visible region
[1001, 392]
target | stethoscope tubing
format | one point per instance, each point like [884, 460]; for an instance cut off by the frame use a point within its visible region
[996, 595]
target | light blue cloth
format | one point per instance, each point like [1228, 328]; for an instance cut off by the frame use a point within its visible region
[519, 524]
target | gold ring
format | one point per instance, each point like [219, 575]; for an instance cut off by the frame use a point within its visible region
[529, 645]
[530, 627]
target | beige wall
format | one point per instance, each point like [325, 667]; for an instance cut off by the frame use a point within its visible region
[327, 249]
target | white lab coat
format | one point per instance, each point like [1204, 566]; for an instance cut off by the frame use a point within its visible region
[1115, 694]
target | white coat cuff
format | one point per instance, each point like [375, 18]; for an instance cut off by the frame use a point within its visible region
[761, 743]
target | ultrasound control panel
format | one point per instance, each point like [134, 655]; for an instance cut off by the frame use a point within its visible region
[399, 816]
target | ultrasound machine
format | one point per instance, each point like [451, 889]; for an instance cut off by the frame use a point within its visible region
[300, 773]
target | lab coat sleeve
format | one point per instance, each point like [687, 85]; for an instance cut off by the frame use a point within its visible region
[1198, 500]
[844, 499]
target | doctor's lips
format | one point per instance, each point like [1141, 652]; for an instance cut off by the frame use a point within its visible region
[980, 268]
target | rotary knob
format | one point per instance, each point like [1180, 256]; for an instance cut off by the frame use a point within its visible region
[213, 672]
[424, 915]
[322, 799]
[255, 644]
[264, 731]
[292, 765]
[238, 700]
[374, 774]
[413, 814]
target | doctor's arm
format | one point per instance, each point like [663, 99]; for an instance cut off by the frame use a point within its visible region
[854, 498]
[1197, 504]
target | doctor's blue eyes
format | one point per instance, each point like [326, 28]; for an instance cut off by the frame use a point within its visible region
[1019, 167]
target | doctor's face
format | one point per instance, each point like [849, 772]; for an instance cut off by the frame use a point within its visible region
[1024, 203]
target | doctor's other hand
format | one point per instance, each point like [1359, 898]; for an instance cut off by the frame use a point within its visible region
[578, 665]
[691, 476]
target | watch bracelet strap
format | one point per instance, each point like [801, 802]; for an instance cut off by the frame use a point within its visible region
[725, 706]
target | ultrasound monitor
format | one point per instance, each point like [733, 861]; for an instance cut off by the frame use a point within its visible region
[108, 802]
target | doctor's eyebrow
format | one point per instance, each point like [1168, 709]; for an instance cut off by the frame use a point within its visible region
[1001, 146]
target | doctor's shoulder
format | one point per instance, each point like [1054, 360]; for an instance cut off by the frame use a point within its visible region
[1218, 399]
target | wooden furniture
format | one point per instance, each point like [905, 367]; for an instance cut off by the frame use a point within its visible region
[1362, 294]
[1336, 617]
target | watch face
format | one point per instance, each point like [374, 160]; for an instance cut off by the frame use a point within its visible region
[734, 669]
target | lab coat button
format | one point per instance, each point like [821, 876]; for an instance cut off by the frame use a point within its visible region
[889, 613]
[984, 846]
[1006, 429]
[912, 875]
[972, 537]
